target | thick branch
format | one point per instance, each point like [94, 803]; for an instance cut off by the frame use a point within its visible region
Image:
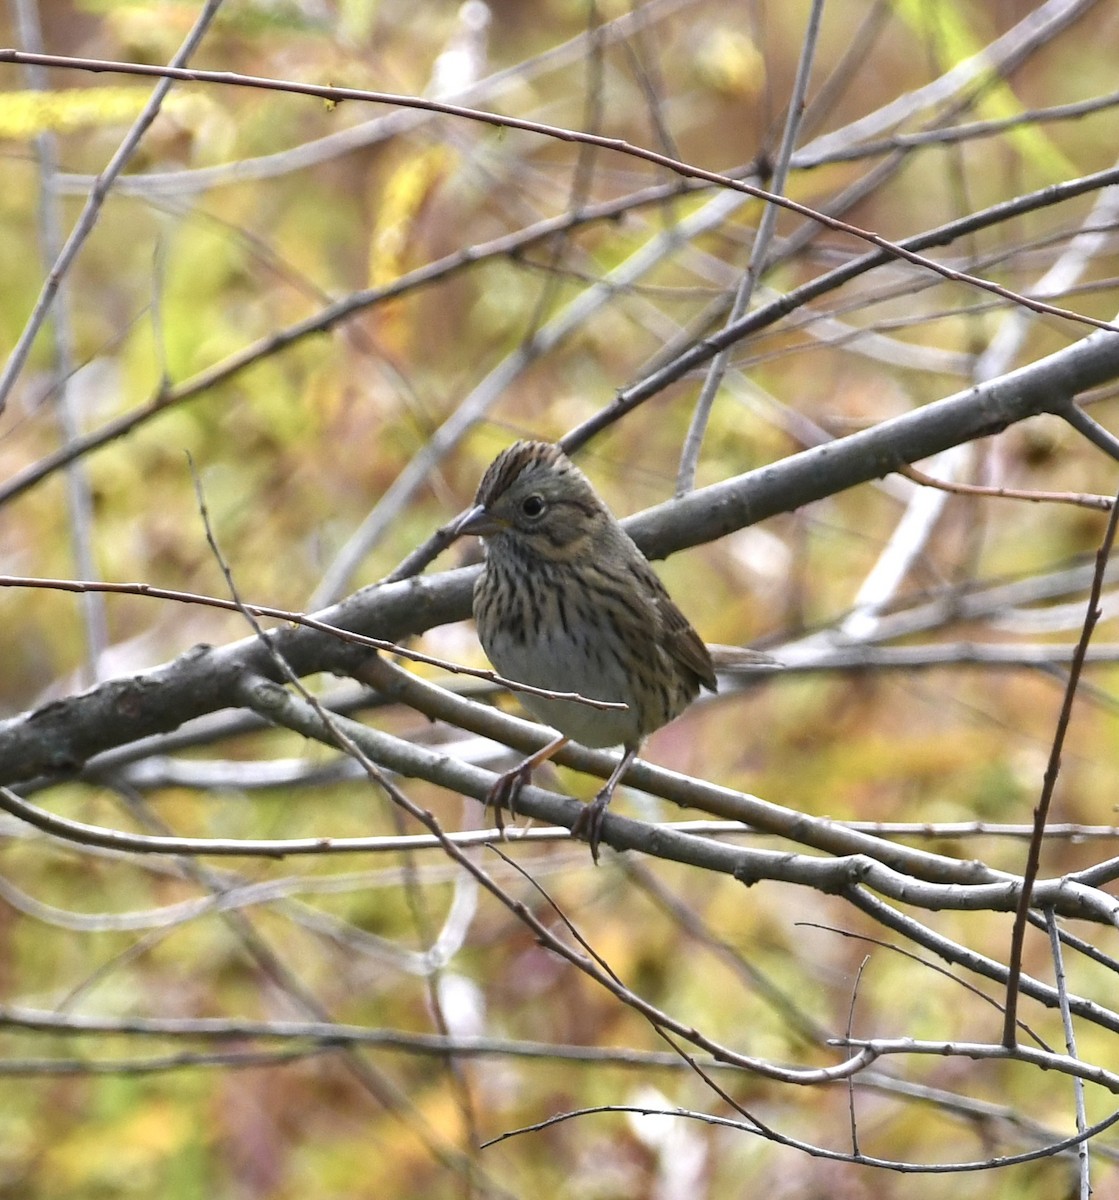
[61, 736]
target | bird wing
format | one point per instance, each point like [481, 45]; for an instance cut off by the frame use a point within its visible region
[685, 645]
[680, 639]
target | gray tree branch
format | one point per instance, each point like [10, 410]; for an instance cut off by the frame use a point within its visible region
[58, 738]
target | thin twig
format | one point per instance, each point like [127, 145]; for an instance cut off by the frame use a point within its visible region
[297, 618]
[380, 1086]
[1079, 499]
[927, 964]
[1059, 1145]
[619, 145]
[1100, 437]
[79, 493]
[103, 184]
[1083, 1162]
[693, 440]
[1052, 770]
[853, 1121]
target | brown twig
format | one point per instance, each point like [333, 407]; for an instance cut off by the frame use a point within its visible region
[1081, 499]
[297, 618]
[560, 133]
[1052, 770]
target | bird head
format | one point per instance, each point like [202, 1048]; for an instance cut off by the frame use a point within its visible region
[534, 496]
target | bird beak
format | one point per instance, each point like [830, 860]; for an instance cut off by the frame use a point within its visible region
[479, 521]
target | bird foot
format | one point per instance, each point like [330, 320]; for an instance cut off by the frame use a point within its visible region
[506, 788]
[504, 793]
[589, 822]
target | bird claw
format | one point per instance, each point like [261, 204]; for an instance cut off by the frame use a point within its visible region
[589, 822]
[504, 793]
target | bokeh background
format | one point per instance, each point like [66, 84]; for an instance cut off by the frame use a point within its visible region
[334, 315]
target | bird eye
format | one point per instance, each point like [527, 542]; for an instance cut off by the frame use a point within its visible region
[533, 506]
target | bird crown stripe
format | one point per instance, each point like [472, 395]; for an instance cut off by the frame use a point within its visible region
[513, 462]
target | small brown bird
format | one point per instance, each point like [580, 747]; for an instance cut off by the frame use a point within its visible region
[567, 602]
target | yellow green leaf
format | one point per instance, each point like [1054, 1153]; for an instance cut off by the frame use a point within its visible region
[26, 115]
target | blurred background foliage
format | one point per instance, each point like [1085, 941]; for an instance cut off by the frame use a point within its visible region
[216, 240]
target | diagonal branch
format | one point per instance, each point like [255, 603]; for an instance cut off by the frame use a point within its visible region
[61, 736]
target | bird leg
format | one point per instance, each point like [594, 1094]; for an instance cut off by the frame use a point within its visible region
[507, 787]
[589, 822]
